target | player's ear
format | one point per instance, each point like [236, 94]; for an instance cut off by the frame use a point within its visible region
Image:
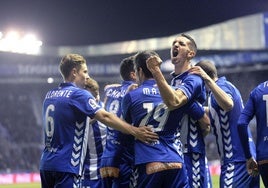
[132, 75]
[74, 72]
[191, 54]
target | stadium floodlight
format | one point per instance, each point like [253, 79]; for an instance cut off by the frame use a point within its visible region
[14, 42]
[50, 80]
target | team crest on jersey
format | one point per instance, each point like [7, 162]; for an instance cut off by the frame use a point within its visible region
[92, 103]
[178, 82]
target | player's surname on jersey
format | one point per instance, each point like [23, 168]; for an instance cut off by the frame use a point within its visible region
[150, 91]
[58, 93]
[115, 93]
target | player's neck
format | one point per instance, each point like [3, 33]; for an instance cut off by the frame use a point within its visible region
[180, 68]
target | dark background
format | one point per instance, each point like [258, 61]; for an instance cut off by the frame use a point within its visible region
[87, 22]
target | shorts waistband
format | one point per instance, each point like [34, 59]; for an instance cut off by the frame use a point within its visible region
[154, 167]
[262, 162]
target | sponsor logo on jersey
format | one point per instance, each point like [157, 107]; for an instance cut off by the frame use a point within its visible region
[92, 103]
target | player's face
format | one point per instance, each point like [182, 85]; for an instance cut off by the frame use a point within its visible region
[179, 50]
[81, 76]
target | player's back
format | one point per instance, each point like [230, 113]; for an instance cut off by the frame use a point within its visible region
[144, 106]
[114, 94]
[224, 124]
[65, 119]
[259, 97]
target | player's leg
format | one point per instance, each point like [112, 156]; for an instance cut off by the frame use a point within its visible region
[66, 179]
[47, 179]
[263, 168]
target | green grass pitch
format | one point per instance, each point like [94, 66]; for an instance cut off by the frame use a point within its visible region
[215, 184]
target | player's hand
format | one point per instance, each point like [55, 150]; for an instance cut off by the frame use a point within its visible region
[199, 71]
[252, 167]
[204, 124]
[132, 87]
[153, 63]
[92, 121]
[146, 135]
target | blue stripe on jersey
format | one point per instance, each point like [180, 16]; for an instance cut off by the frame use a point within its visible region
[144, 106]
[65, 112]
[224, 124]
[96, 143]
[194, 88]
[115, 139]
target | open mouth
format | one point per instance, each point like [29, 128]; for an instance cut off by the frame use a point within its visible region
[175, 53]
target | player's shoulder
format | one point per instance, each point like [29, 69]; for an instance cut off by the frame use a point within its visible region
[108, 86]
[193, 78]
[263, 85]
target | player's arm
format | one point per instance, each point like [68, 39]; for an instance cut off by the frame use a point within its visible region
[221, 97]
[242, 126]
[142, 133]
[172, 98]
[198, 113]
[204, 124]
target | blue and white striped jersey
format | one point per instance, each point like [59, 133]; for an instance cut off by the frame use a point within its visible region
[194, 88]
[224, 124]
[96, 143]
[116, 140]
[144, 106]
[65, 119]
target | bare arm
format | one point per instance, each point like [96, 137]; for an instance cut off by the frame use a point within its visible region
[204, 124]
[222, 98]
[143, 133]
[172, 98]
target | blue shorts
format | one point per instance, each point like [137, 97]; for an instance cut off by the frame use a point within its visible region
[114, 174]
[59, 179]
[148, 176]
[197, 170]
[125, 172]
[236, 175]
[109, 170]
[263, 169]
[87, 182]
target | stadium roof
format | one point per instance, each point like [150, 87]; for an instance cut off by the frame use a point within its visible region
[89, 22]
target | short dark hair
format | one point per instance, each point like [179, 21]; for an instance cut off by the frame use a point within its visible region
[192, 44]
[70, 61]
[209, 68]
[140, 61]
[126, 67]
